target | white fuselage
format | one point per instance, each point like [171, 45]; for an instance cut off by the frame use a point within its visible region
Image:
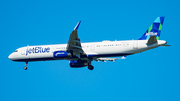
[92, 50]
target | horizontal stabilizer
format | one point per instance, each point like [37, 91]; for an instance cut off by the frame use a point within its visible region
[165, 45]
[152, 40]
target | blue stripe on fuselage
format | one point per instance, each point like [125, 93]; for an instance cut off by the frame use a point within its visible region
[83, 56]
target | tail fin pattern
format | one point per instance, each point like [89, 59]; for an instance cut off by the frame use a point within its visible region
[154, 29]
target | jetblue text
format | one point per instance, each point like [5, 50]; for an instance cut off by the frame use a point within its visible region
[37, 50]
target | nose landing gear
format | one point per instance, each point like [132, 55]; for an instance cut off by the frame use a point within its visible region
[25, 67]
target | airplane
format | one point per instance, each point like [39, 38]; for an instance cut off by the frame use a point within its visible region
[82, 54]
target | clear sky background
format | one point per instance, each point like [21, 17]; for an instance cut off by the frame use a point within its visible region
[153, 75]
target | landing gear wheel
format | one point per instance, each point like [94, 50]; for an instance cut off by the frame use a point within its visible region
[90, 67]
[25, 68]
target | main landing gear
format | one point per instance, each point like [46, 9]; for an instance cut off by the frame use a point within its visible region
[90, 67]
[25, 67]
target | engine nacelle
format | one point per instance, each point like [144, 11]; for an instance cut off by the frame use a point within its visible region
[61, 54]
[78, 63]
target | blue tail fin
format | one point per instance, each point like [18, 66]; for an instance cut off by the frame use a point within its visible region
[154, 29]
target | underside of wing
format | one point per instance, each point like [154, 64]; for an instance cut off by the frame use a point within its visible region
[109, 59]
[74, 44]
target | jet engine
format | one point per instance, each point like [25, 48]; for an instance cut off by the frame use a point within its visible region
[78, 63]
[61, 54]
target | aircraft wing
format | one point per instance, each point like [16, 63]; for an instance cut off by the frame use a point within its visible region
[109, 59]
[74, 44]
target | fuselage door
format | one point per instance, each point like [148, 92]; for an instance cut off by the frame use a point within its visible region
[93, 47]
[23, 51]
[135, 45]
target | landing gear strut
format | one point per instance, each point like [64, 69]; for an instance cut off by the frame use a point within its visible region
[25, 67]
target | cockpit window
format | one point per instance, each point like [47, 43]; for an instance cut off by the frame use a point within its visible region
[16, 51]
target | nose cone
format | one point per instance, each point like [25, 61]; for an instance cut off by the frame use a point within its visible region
[10, 57]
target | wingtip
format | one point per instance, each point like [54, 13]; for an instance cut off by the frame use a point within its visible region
[77, 26]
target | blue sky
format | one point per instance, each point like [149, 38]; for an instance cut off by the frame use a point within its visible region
[153, 75]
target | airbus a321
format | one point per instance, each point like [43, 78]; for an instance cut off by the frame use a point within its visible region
[82, 54]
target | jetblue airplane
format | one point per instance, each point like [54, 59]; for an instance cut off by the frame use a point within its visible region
[82, 54]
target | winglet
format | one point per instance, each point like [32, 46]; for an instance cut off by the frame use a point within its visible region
[76, 27]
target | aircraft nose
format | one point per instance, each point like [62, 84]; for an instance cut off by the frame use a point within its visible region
[10, 57]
